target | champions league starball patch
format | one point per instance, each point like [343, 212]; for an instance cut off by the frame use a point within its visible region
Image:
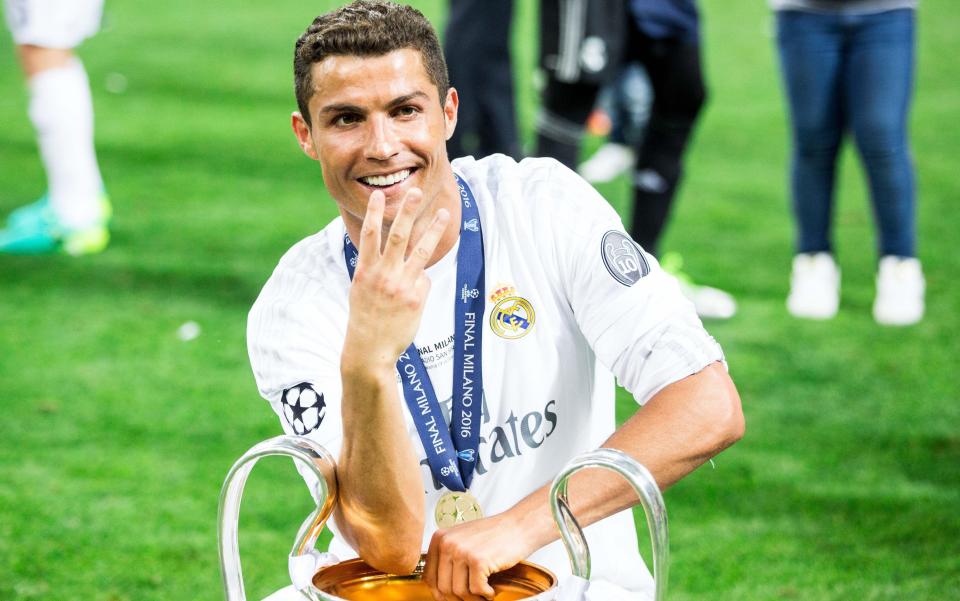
[303, 408]
[623, 258]
[512, 316]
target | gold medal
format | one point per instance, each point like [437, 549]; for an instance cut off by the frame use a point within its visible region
[456, 508]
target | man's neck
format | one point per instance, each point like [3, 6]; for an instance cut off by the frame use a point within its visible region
[449, 199]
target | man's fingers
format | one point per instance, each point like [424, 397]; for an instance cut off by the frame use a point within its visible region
[466, 584]
[430, 569]
[460, 581]
[370, 230]
[479, 583]
[399, 236]
[427, 243]
[444, 577]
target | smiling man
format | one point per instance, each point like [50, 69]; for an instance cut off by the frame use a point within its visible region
[451, 336]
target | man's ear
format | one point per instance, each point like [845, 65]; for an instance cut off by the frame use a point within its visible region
[450, 106]
[302, 131]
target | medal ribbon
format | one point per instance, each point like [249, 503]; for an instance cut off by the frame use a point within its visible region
[451, 451]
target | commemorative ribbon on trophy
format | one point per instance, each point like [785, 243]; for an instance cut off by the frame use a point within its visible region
[451, 450]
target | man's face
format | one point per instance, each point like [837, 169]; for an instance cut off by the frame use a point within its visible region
[378, 124]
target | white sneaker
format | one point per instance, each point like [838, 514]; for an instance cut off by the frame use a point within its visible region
[609, 161]
[900, 291]
[710, 303]
[814, 286]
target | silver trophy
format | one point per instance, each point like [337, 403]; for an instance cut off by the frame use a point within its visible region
[321, 577]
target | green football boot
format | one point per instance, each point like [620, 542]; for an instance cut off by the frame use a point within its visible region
[709, 302]
[34, 229]
[41, 211]
[36, 211]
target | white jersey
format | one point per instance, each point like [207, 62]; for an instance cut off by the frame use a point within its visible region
[569, 299]
[53, 23]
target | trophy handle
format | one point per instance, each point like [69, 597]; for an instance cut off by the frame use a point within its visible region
[651, 499]
[321, 463]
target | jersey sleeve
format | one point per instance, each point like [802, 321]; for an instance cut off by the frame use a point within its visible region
[294, 339]
[631, 312]
[295, 355]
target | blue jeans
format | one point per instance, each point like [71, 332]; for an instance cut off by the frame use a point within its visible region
[627, 99]
[850, 73]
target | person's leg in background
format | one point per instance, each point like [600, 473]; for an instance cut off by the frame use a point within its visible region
[673, 67]
[581, 50]
[560, 123]
[811, 59]
[477, 48]
[878, 82]
[635, 96]
[676, 81]
[72, 215]
[627, 101]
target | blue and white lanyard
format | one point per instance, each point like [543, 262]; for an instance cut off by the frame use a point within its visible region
[451, 452]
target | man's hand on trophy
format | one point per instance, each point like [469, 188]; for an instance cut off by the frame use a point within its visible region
[461, 558]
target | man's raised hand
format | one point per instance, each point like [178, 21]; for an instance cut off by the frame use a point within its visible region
[389, 285]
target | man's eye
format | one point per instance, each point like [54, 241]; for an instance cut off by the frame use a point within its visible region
[346, 119]
[407, 111]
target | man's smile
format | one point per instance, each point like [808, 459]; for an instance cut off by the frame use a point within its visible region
[387, 179]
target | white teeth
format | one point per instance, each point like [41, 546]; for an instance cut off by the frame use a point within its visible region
[386, 180]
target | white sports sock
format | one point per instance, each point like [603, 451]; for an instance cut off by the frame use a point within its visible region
[61, 110]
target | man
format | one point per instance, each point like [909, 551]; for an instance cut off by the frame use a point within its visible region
[72, 216]
[511, 284]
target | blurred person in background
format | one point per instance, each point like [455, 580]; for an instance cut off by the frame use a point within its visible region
[849, 66]
[72, 215]
[477, 47]
[621, 114]
[583, 46]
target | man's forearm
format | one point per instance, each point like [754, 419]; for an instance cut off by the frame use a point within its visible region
[679, 429]
[381, 510]
[381, 504]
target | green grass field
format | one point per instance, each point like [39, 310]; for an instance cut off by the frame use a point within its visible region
[116, 435]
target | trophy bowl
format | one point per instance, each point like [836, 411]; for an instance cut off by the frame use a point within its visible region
[354, 580]
[320, 576]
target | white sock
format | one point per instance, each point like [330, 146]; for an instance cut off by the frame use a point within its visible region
[61, 110]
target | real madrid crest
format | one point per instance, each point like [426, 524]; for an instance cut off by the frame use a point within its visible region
[512, 316]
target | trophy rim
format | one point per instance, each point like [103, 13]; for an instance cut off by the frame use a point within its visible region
[356, 573]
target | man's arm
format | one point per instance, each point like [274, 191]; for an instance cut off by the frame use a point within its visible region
[381, 506]
[678, 429]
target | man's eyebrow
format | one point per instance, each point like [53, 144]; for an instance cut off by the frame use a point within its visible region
[341, 108]
[407, 98]
[352, 108]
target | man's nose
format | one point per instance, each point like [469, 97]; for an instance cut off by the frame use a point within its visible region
[381, 139]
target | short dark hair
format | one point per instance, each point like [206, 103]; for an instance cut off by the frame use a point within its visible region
[366, 28]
